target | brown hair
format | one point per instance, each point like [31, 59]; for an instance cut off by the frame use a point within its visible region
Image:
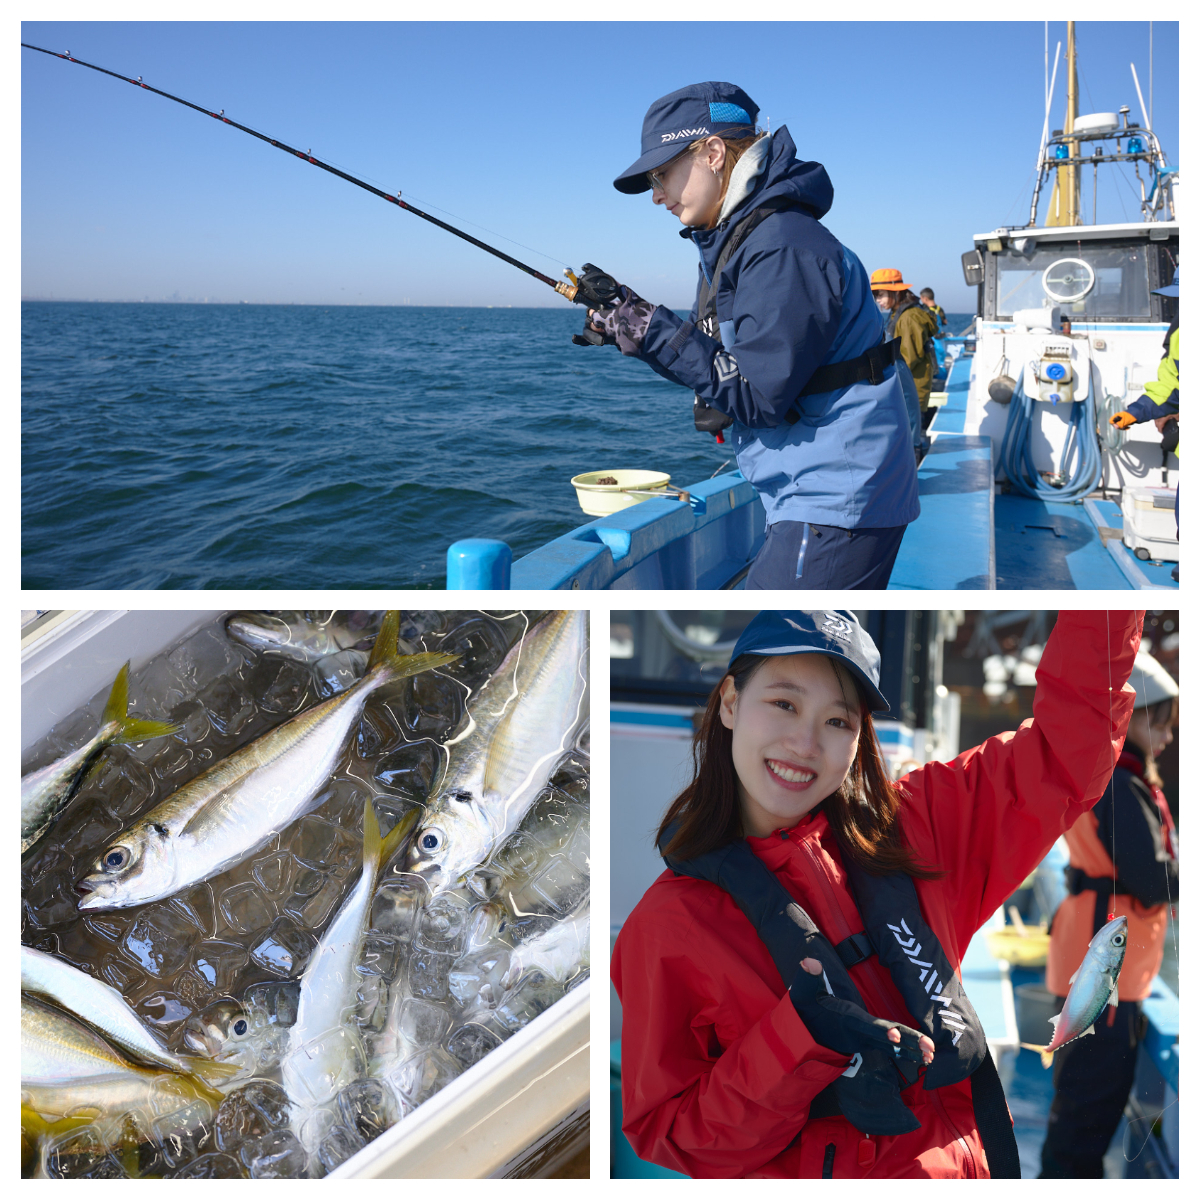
[863, 813]
[734, 149]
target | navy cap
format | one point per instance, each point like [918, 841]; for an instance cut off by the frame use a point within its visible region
[837, 634]
[675, 121]
[1172, 288]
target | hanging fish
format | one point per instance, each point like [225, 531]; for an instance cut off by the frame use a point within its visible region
[1093, 987]
[235, 807]
[46, 791]
[522, 722]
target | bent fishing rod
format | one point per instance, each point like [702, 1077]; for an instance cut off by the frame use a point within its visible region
[593, 288]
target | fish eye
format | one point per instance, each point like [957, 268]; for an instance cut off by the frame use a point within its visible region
[1119, 939]
[240, 1026]
[431, 840]
[115, 859]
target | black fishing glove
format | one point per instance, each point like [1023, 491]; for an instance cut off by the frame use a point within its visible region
[844, 1026]
[624, 323]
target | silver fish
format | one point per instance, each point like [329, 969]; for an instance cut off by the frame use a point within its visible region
[1093, 987]
[303, 636]
[67, 1068]
[46, 791]
[557, 952]
[324, 1053]
[93, 1001]
[238, 805]
[522, 722]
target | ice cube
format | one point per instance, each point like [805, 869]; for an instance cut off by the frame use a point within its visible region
[367, 1107]
[429, 974]
[339, 1144]
[283, 685]
[470, 1042]
[371, 1004]
[253, 1110]
[442, 924]
[196, 905]
[316, 909]
[424, 1074]
[184, 1133]
[275, 1155]
[162, 1010]
[159, 940]
[431, 707]
[422, 1024]
[379, 956]
[397, 905]
[277, 1001]
[533, 994]
[560, 885]
[205, 656]
[217, 963]
[210, 1166]
[314, 843]
[578, 852]
[409, 770]
[285, 949]
[272, 872]
[227, 707]
[481, 643]
[336, 672]
[80, 1154]
[122, 785]
[475, 978]
[246, 908]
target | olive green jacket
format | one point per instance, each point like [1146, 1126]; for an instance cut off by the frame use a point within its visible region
[914, 326]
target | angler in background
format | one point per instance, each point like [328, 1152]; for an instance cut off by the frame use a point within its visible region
[1130, 837]
[791, 986]
[1160, 402]
[915, 326]
[934, 307]
[783, 346]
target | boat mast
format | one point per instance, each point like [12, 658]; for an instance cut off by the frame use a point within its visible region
[1064, 201]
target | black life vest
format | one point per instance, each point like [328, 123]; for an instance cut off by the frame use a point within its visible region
[867, 1094]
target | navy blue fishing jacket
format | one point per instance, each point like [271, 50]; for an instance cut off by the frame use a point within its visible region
[790, 299]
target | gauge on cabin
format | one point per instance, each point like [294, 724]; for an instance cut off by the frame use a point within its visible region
[1068, 279]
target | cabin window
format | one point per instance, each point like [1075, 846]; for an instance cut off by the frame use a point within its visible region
[1089, 281]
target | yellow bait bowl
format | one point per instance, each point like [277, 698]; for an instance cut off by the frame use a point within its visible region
[599, 499]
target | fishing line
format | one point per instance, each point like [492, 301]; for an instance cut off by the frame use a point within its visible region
[316, 162]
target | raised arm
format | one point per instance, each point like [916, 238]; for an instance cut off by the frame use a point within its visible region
[989, 817]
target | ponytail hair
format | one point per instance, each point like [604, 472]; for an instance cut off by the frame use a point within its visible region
[863, 813]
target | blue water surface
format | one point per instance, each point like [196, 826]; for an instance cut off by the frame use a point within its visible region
[258, 446]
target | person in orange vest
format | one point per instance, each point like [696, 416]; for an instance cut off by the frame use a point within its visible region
[915, 326]
[1128, 837]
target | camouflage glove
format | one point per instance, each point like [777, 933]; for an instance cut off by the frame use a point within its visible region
[624, 324]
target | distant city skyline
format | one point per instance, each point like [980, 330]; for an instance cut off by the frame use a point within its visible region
[127, 196]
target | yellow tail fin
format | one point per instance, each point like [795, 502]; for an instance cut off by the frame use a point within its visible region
[1046, 1053]
[133, 729]
[377, 850]
[386, 656]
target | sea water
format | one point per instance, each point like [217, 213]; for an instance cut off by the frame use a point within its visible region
[259, 446]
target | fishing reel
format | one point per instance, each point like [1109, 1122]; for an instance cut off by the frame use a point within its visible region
[593, 288]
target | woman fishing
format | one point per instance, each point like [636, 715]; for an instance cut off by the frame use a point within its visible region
[790, 987]
[784, 346]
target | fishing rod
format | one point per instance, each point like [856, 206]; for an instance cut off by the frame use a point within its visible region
[593, 288]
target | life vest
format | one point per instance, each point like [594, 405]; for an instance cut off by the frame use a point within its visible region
[867, 1094]
[826, 378]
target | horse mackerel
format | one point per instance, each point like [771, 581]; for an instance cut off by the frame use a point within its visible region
[235, 807]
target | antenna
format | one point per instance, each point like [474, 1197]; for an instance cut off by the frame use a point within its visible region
[1142, 103]
[1151, 74]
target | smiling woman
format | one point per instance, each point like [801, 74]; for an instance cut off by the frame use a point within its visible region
[791, 986]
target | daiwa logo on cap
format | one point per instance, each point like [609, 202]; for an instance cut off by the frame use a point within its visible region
[684, 133]
[837, 627]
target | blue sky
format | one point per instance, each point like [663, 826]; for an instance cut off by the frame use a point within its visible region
[929, 132]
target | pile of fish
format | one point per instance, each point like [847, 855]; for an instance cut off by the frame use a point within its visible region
[291, 878]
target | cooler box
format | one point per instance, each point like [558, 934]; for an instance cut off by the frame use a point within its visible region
[523, 1110]
[1149, 522]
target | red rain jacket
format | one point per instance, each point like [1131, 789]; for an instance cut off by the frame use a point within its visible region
[718, 1070]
